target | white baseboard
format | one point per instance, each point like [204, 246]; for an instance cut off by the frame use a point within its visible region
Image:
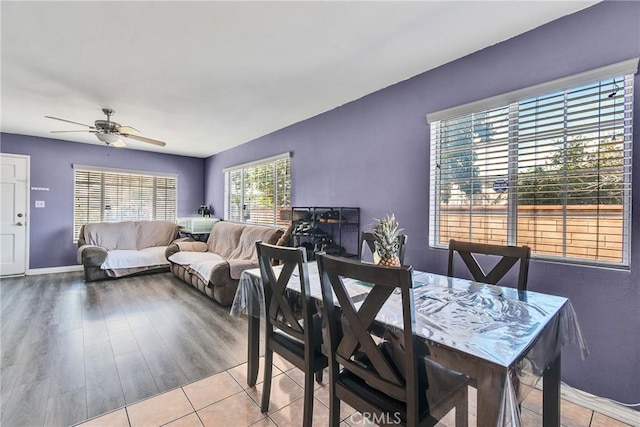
[599, 404]
[53, 270]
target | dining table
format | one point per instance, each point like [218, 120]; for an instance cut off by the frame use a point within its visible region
[504, 339]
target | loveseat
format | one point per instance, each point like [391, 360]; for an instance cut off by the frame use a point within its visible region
[214, 267]
[118, 249]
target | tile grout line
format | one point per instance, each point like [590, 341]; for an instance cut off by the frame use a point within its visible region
[126, 412]
[268, 416]
[185, 415]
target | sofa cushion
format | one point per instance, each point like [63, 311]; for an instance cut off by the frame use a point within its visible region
[203, 269]
[224, 238]
[155, 233]
[246, 248]
[192, 246]
[186, 258]
[245, 255]
[237, 266]
[130, 235]
[112, 235]
[127, 258]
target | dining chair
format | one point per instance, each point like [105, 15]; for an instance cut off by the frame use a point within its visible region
[385, 376]
[293, 329]
[368, 242]
[510, 256]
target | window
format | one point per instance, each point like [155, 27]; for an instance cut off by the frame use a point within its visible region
[111, 195]
[259, 192]
[548, 167]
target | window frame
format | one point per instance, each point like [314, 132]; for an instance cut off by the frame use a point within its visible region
[241, 168]
[626, 69]
[123, 172]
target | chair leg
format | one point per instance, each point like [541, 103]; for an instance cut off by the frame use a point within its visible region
[462, 411]
[308, 398]
[334, 410]
[319, 376]
[266, 385]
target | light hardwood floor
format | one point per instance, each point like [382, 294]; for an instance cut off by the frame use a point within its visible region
[72, 350]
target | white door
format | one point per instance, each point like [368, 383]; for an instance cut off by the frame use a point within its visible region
[13, 214]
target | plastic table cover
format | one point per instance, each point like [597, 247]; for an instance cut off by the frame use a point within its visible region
[520, 331]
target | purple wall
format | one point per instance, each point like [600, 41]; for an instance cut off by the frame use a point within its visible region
[51, 228]
[374, 153]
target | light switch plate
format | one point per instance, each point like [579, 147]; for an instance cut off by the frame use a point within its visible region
[39, 203]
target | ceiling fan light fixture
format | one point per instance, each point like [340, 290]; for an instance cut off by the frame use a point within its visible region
[111, 132]
[108, 138]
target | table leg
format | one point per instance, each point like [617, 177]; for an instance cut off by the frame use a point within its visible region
[551, 394]
[253, 350]
[490, 383]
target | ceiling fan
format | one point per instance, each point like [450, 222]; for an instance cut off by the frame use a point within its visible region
[109, 132]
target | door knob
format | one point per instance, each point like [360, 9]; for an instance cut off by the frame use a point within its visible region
[20, 215]
[19, 224]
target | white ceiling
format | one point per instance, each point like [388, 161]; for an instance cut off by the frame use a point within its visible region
[207, 76]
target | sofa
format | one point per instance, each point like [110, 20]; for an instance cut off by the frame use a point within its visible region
[214, 267]
[118, 249]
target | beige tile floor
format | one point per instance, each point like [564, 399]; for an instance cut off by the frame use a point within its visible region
[225, 400]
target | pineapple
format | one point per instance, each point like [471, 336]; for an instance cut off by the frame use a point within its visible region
[386, 242]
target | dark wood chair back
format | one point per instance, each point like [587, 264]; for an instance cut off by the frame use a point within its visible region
[510, 256]
[281, 312]
[387, 378]
[293, 329]
[368, 242]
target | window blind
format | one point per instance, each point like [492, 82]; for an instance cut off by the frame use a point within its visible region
[551, 171]
[233, 185]
[259, 192]
[112, 196]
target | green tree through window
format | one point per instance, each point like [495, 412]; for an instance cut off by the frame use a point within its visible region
[551, 171]
[259, 192]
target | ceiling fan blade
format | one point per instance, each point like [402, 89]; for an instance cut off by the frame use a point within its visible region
[69, 121]
[127, 130]
[65, 131]
[143, 139]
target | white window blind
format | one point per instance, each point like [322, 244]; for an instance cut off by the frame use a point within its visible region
[110, 196]
[259, 192]
[551, 171]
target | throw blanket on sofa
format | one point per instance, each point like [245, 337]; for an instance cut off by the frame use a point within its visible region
[125, 258]
[130, 235]
[198, 263]
[233, 243]
[224, 240]
[193, 262]
[245, 255]
[118, 249]
[203, 269]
